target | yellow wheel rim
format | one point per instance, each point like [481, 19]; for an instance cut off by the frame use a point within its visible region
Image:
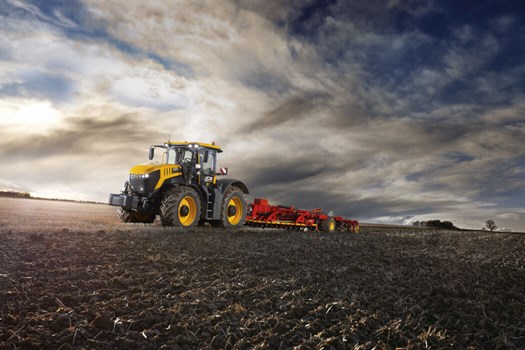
[237, 204]
[332, 226]
[187, 211]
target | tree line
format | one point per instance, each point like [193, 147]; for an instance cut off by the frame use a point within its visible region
[435, 223]
[14, 194]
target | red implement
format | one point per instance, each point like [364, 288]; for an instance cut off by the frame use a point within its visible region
[262, 214]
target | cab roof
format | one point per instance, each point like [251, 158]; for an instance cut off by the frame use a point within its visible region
[200, 144]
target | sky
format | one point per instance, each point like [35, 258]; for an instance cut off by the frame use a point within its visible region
[382, 111]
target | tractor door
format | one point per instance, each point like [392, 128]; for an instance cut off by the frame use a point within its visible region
[208, 179]
[207, 160]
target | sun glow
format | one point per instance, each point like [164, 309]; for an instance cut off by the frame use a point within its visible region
[29, 116]
[59, 193]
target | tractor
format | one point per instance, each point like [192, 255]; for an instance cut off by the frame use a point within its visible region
[182, 189]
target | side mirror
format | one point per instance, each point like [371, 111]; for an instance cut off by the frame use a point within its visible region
[151, 153]
[205, 156]
[223, 171]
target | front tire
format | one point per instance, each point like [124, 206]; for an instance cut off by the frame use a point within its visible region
[233, 210]
[180, 207]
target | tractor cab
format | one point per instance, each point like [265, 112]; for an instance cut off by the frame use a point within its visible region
[197, 161]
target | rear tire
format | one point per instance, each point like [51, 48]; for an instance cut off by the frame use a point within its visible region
[328, 225]
[130, 216]
[233, 209]
[180, 207]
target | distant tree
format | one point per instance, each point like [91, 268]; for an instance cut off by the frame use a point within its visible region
[438, 223]
[415, 223]
[434, 223]
[447, 224]
[491, 225]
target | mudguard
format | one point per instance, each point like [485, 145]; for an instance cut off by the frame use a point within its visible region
[223, 184]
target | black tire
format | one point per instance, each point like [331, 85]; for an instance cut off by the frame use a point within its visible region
[180, 207]
[233, 208]
[130, 216]
[328, 225]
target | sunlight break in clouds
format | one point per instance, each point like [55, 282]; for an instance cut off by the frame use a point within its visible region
[22, 116]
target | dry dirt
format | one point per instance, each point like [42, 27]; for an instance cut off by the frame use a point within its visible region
[116, 286]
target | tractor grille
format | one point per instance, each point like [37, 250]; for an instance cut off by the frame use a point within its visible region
[144, 185]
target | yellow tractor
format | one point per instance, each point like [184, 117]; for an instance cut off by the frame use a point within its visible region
[182, 189]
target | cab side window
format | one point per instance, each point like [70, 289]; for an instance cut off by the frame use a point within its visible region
[207, 165]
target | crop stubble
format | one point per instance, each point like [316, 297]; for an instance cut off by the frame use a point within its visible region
[133, 286]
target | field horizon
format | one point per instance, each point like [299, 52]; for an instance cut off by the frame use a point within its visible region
[111, 210]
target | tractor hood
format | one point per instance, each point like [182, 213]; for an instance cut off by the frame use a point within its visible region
[141, 169]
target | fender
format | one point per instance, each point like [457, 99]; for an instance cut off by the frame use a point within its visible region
[223, 185]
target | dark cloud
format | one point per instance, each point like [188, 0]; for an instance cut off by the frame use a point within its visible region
[295, 107]
[81, 136]
[261, 79]
[396, 62]
[288, 173]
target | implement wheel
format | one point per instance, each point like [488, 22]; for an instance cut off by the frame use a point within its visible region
[133, 216]
[233, 211]
[180, 207]
[328, 225]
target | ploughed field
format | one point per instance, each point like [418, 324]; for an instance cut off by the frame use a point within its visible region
[73, 277]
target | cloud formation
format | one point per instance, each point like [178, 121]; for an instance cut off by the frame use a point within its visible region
[396, 112]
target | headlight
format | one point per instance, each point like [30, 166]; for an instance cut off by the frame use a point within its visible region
[140, 176]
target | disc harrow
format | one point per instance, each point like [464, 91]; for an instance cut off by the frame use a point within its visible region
[262, 214]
